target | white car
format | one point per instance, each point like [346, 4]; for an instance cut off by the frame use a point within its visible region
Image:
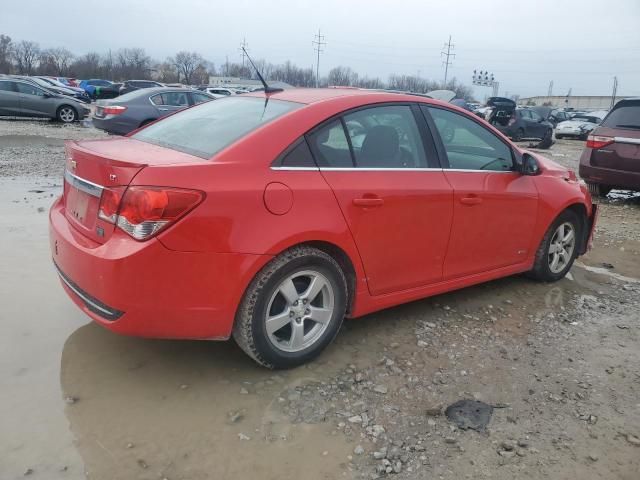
[578, 127]
[219, 92]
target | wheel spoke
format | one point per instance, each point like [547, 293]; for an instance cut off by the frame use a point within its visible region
[553, 248]
[321, 315]
[288, 290]
[568, 237]
[297, 335]
[554, 263]
[276, 322]
[315, 287]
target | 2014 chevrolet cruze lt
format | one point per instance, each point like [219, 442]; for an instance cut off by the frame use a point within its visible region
[271, 217]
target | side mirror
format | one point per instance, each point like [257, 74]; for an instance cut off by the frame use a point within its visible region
[529, 165]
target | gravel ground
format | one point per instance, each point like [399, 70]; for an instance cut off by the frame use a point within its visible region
[558, 364]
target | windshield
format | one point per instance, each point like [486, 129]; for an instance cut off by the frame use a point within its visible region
[206, 129]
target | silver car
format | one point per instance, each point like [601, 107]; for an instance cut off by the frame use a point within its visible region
[19, 98]
[580, 126]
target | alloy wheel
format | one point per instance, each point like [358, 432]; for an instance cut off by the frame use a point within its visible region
[561, 247]
[67, 114]
[299, 311]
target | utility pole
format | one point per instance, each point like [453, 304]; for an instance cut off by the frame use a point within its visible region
[550, 90]
[244, 46]
[614, 92]
[319, 42]
[449, 46]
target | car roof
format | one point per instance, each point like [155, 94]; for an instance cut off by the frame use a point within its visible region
[315, 95]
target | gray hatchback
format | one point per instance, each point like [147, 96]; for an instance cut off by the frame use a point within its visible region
[140, 107]
[20, 98]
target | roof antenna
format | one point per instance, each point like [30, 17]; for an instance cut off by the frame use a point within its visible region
[267, 88]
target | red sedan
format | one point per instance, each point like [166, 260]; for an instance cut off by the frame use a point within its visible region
[271, 218]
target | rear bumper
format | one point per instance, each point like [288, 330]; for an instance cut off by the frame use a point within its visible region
[606, 176]
[144, 289]
[115, 125]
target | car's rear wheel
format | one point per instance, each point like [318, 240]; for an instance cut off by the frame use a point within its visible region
[559, 137]
[547, 140]
[292, 309]
[517, 137]
[66, 114]
[558, 248]
[598, 190]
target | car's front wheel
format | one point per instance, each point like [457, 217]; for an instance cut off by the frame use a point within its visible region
[66, 114]
[292, 309]
[558, 248]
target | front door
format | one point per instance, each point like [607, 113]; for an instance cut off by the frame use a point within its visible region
[495, 208]
[397, 204]
[34, 102]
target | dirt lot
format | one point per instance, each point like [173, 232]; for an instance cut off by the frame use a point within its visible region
[560, 364]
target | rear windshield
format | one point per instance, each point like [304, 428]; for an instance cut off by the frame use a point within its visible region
[206, 129]
[626, 116]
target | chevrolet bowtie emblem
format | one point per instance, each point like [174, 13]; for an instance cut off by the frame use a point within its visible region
[113, 177]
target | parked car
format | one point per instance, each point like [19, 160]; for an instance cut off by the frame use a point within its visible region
[257, 217]
[578, 127]
[80, 96]
[140, 107]
[611, 158]
[57, 87]
[23, 98]
[68, 81]
[552, 115]
[517, 123]
[131, 85]
[219, 92]
[97, 88]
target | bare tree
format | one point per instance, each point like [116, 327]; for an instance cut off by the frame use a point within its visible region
[26, 55]
[186, 63]
[6, 48]
[61, 58]
[132, 63]
[342, 76]
[166, 72]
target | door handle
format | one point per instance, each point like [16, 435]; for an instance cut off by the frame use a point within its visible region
[164, 109]
[368, 202]
[471, 200]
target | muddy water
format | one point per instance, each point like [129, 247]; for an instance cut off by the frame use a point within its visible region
[134, 408]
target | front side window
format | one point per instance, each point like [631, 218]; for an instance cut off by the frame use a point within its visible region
[173, 99]
[470, 146]
[29, 89]
[200, 98]
[6, 86]
[208, 128]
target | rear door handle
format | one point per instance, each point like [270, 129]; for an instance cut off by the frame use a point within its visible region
[368, 202]
[471, 200]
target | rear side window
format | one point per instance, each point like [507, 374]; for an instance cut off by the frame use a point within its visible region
[174, 99]
[199, 98]
[331, 147]
[298, 156]
[625, 116]
[208, 128]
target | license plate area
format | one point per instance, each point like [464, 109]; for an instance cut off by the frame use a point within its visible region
[78, 204]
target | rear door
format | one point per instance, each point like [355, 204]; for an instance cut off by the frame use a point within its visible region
[9, 98]
[623, 125]
[396, 200]
[494, 207]
[169, 102]
[33, 101]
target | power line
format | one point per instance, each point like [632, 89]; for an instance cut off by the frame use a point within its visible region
[449, 46]
[318, 41]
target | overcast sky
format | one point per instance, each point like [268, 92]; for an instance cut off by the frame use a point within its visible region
[579, 44]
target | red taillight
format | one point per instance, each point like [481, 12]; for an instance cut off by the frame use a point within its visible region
[113, 109]
[598, 141]
[109, 203]
[144, 211]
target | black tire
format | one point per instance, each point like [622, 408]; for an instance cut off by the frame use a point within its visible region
[547, 140]
[559, 137]
[541, 268]
[250, 331]
[518, 135]
[66, 114]
[598, 190]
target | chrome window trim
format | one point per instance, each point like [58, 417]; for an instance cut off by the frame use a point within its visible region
[633, 141]
[478, 171]
[382, 169]
[83, 185]
[315, 169]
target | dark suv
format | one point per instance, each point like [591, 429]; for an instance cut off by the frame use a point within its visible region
[131, 85]
[519, 124]
[611, 158]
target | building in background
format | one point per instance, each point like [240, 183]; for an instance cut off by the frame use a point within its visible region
[577, 102]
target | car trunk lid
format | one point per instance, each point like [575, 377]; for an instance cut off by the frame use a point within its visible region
[92, 166]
